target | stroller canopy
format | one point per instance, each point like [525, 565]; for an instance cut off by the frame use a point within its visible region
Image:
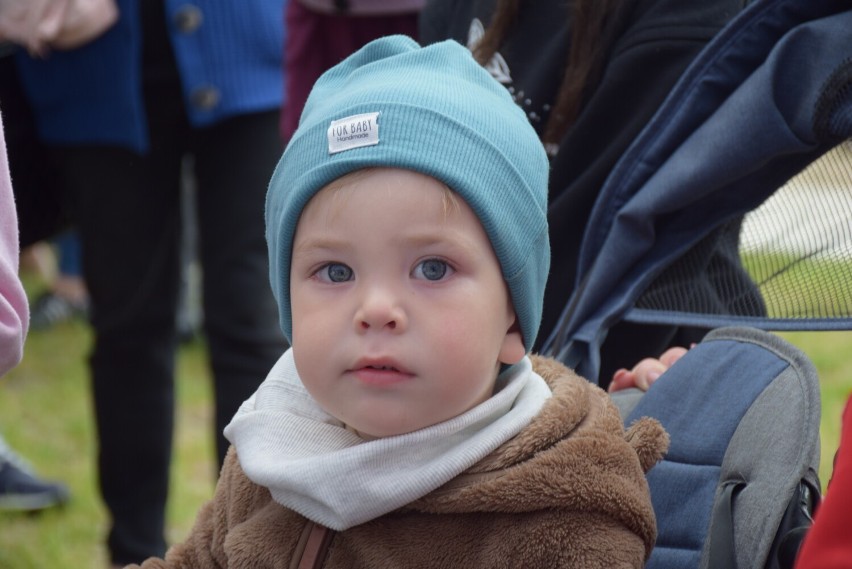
[669, 241]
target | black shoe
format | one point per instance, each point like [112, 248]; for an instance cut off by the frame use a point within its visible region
[50, 309]
[22, 491]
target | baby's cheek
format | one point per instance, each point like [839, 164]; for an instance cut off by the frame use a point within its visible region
[450, 329]
[459, 337]
[309, 358]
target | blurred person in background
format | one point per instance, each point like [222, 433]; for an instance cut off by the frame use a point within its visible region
[321, 33]
[22, 25]
[828, 543]
[20, 488]
[50, 249]
[589, 74]
[120, 114]
[65, 297]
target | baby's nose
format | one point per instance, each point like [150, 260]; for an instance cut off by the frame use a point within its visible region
[380, 310]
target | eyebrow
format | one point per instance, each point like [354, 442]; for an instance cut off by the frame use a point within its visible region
[321, 244]
[416, 240]
[426, 240]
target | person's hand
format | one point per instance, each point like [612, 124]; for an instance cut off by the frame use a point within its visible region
[645, 372]
[31, 22]
[42, 25]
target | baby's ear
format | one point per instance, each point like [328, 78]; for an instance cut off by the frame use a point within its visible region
[512, 350]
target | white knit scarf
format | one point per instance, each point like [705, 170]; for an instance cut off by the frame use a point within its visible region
[312, 464]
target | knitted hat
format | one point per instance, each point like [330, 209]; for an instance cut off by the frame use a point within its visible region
[432, 110]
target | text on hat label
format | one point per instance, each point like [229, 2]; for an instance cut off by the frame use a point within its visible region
[353, 132]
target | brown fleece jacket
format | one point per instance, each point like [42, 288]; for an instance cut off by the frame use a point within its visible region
[568, 491]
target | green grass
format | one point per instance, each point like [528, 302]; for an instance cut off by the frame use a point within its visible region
[831, 353]
[796, 287]
[45, 412]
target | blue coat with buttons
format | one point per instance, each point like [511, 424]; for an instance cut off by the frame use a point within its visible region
[228, 53]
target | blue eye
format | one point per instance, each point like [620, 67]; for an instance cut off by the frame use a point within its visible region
[335, 273]
[432, 269]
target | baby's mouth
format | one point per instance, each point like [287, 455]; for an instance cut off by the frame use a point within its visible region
[378, 373]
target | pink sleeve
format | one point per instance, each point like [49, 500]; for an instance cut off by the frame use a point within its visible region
[828, 544]
[14, 311]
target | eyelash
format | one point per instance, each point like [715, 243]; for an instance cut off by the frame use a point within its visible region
[323, 273]
[447, 268]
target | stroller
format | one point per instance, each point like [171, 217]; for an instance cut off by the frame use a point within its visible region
[731, 211]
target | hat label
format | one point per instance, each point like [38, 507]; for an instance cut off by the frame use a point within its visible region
[353, 132]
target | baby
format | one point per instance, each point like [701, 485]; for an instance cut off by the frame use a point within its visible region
[407, 426]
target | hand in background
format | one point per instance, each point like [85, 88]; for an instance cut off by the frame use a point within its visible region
[646, 372]
[41, 25]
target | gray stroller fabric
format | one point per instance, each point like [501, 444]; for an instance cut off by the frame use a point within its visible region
[742, 409]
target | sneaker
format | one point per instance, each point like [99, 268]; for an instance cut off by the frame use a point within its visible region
[50, 309]
[21, 490]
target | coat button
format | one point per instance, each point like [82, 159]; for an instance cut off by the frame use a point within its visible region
[205, 98]
[188, 18]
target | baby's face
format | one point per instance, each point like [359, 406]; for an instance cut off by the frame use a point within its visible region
[401, 316]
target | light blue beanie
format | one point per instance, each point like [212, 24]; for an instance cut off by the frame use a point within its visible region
[432, 110]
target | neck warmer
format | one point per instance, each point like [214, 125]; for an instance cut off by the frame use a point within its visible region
[312, 464]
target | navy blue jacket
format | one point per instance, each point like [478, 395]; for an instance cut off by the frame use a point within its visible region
[229, 57]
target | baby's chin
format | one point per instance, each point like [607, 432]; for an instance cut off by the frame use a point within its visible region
[371, 431]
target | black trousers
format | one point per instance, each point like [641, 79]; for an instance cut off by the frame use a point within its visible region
[42, 205]
[128, 214]
[127, 207]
